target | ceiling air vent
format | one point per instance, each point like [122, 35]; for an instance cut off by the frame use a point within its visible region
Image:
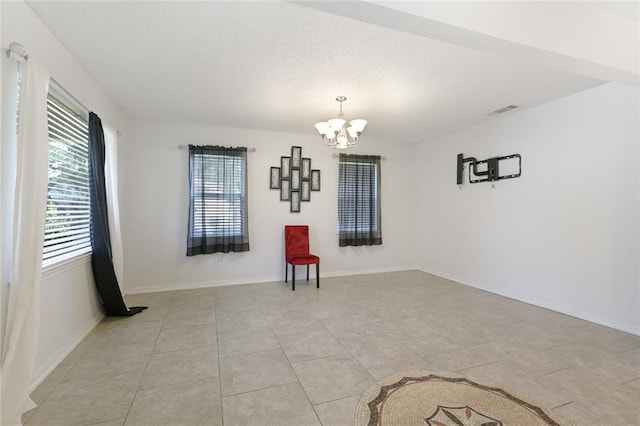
[503, 109]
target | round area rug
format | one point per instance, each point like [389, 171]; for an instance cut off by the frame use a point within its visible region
[439, 400]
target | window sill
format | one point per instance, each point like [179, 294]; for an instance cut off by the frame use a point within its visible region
[68, 262]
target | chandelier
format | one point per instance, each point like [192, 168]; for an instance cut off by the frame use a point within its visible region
[335, 132]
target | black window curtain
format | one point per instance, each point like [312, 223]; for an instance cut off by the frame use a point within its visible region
[359, 200]
[101, 260]
[217, 200]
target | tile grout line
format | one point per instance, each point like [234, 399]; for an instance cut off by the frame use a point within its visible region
[562, 405]
[218, 355]
[552, 372]
[629, 381]
[182, 349]
[259, 389]
[627, 350]
[135, 395]
[476, 366]
[295, 373]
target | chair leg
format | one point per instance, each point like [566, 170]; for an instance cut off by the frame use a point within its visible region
[307, 272]
[293, 277]
[318, 275]
[286, 270]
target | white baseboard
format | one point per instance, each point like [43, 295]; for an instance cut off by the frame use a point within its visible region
[257, 280]
[200, 284]
[42, 375]
[368, 271]
[627, 328]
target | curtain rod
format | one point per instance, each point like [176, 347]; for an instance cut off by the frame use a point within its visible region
[18, 50]
[337, 156]
[187, 146]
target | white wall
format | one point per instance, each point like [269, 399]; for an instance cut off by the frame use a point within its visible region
[565, 234]
[69, 305]
[155, 203]
[4, 247]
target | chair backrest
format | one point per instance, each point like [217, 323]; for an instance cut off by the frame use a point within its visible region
[296, 240]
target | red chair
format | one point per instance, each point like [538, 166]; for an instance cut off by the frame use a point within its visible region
[296, 246]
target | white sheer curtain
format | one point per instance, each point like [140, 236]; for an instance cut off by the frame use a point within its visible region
[113, 206]
[21, 334]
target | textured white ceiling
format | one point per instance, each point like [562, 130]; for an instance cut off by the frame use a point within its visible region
[278, 66]
[625, 9]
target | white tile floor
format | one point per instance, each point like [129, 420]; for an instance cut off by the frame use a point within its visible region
[264, 355]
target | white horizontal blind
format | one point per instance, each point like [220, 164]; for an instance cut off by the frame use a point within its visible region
[219, 210]
[357, 197]
[67, 226]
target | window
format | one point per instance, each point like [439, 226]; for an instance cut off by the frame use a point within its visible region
[359, 200]
[217, 200]
[67, 225]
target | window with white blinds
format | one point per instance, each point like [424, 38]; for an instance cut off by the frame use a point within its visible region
[67, 226]
[359, 200]
[358, 197]
[218, 200]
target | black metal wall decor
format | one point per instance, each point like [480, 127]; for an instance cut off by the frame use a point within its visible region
[295, 179]
[489, 170]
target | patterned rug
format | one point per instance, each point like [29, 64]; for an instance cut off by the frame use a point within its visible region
[440, 400]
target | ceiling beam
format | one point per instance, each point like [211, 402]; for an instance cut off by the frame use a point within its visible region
[571, 36]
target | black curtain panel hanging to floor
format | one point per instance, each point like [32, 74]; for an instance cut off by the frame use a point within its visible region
[101, 260]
